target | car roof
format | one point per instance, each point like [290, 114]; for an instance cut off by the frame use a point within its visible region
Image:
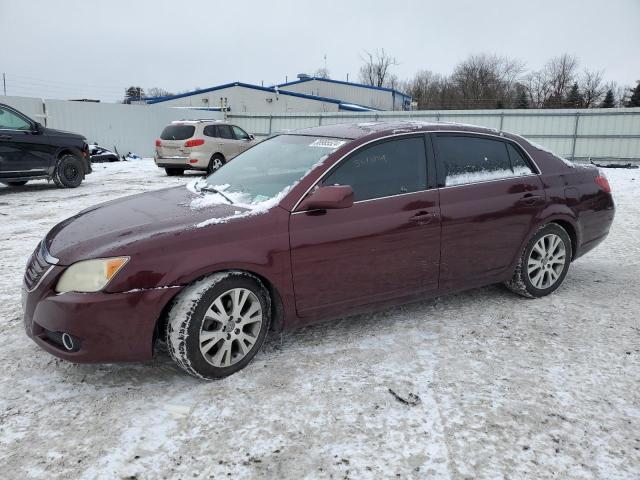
[195, 122]
[353, 131]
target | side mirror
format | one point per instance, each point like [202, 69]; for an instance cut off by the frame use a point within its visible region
[37, 127]
[251, 137]
[328, 197]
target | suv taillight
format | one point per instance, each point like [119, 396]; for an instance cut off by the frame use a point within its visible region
[603, 182]
[158, 143]
[194, 143]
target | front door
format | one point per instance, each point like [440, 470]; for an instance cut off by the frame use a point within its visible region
[386, 246]
[23, 151]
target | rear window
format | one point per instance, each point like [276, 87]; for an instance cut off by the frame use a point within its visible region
[177, 132]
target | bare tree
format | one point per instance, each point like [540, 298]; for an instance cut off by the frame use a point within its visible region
[561, 74]
[426, 88]
[375, 70]
[487, 81]
[592, 87]
[539, 88]
[322, 73]
[157, 92]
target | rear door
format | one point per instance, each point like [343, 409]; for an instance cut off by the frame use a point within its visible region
[24, 152]
[490, 197]
[386, 246]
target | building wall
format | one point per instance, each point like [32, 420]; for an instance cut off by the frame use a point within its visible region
[368, 97]
[242, 99]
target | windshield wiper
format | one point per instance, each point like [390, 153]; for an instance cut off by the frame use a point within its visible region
[208, 188]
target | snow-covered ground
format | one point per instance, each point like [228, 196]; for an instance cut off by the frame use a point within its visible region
[508, 387]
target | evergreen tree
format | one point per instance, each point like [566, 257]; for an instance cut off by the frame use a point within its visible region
[634, 101]
[609, 100]
[574, 99]
[523, 100]
[133, 94]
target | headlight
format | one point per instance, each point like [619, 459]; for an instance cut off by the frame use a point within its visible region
[90, 275]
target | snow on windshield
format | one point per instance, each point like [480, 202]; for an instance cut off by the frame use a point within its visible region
[258, 179]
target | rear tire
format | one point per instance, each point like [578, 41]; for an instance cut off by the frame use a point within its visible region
[15, 184]
[215, 163]
[217, 325]
[69, 172]
[174, 172]
[544, 263]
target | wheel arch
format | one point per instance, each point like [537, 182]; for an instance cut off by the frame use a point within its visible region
[277, 306]
[571, 231]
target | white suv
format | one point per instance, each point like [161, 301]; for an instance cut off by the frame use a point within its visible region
[199, 145]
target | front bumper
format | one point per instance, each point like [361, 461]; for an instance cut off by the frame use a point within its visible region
[110, 327]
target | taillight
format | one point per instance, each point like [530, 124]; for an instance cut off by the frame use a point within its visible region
[194, 143]
[158, 143]
[602, 182]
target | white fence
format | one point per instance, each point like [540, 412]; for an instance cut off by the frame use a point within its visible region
[579, 134]
[129, 128]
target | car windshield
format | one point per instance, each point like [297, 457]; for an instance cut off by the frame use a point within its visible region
[270, 168]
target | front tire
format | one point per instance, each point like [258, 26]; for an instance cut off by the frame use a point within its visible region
[544, 263]
[217, 325]
[16, 184]
[69, 172]
[174, 172]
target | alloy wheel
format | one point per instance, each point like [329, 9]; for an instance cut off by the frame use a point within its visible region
[230, 327]
[546, 261]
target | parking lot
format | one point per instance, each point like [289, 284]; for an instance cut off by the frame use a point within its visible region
[497, 386]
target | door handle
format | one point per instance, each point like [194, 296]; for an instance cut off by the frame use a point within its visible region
[5, 137]
[423, 217]
[530, 199]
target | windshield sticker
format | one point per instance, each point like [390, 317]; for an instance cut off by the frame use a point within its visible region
[327, 143]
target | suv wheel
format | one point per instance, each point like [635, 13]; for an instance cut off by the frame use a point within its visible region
[217, 325]
[15, 184]
[215, 163]
[173, 172]
[69, 172]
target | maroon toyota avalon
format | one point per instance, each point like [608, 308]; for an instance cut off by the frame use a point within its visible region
[309, 225]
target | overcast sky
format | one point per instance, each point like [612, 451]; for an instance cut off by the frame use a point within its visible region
[70, 49]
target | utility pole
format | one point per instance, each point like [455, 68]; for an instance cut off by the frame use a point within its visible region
[4, 83]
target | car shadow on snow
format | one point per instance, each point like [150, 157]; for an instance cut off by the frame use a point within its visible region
[424, 315]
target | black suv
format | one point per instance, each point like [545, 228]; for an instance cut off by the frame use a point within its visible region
[29, 151]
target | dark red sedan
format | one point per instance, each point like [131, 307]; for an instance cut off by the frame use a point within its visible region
[313, 224]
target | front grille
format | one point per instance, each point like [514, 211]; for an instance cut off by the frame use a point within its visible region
[36, 268]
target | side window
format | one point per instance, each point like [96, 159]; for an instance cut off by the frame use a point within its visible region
[390, 168]
[518, 164]
[224, 131]
[210, 131]
[472, 159]
[11, 121]
[239, 133]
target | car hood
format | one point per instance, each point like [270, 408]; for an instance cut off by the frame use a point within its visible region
[109, 228]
